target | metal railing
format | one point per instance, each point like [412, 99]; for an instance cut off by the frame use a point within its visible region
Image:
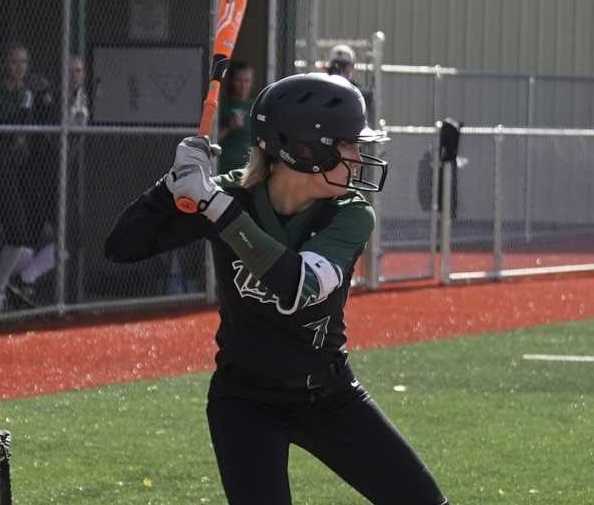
[509, 231]
[96, 170]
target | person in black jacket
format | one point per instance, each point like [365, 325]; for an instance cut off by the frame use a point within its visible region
[28, 171]
[286, 232]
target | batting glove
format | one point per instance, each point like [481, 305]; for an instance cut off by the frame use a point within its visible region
[189, 177]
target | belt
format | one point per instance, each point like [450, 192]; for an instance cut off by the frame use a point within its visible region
[327, 378]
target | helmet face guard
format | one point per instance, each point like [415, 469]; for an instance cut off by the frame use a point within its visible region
[367, 174]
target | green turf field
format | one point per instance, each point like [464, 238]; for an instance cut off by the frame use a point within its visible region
[495, 429]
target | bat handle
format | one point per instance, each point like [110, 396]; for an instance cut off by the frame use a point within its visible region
[209, 110]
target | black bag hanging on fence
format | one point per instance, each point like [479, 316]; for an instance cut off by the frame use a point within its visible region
[449, 140]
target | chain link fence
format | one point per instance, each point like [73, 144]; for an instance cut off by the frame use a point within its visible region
[421, 95]
[518, 202]
[109, 87]
[534, 213]
[406, 218]
[95, 96]
[541, 185]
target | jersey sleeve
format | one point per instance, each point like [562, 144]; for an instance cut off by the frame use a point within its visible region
[323, 261]
[343, 239]
[330, 255]
[151, 225]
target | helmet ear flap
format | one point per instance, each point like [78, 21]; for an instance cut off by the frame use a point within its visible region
[328, 157]
[315, 158]
[307, 157]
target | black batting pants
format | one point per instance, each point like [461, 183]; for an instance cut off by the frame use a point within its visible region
[346, 431]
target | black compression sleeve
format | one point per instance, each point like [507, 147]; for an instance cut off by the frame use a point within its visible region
[151, 225]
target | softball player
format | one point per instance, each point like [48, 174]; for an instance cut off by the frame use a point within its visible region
[286, 232]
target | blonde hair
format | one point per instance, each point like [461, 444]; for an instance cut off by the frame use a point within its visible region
[257, 168]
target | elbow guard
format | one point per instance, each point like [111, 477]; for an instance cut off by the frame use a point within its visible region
[319, 278]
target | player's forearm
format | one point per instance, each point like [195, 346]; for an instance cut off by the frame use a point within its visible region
[298, 279]
[256, 248]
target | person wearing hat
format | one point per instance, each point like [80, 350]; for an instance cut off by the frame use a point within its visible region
[341, 61]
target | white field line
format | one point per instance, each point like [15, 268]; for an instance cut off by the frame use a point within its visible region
[559, 357]
[517, 272]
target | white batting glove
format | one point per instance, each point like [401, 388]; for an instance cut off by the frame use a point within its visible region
[189, 177]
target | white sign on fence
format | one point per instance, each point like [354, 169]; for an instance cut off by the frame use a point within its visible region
[155, 85]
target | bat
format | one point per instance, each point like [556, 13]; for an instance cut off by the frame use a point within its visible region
[229, 18]
[5, 492]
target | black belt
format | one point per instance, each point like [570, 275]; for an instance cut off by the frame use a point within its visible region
[329, 377]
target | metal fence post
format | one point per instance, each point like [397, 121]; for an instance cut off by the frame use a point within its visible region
[446, 218]
[528, 173]
[498, 206]
[446, 174]
[378, 57]
[61, 252]
[446, 222]
[209, 270]
[272, 49]
[374, 250]
[311, 38]
[434, 203]
[437, 87]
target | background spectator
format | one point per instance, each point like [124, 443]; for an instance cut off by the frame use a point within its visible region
[27, 193]
[234, 133]
[341, 61]
[79, 100]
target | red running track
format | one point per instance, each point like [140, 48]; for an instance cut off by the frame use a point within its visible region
[43, 362]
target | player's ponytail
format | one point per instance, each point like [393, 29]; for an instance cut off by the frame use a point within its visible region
[257, 168]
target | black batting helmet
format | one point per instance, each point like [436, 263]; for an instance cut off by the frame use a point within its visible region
[302, 118]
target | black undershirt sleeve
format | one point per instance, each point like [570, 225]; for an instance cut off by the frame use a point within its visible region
[152, 225]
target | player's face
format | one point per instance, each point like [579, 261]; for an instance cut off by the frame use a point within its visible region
[344, 171]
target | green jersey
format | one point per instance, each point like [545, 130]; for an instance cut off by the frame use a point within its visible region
[256, 330]
[288, 322]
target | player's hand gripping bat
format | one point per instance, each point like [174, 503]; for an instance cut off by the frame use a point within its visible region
[229, 18]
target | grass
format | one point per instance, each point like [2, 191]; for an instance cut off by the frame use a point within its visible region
[495, 429]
